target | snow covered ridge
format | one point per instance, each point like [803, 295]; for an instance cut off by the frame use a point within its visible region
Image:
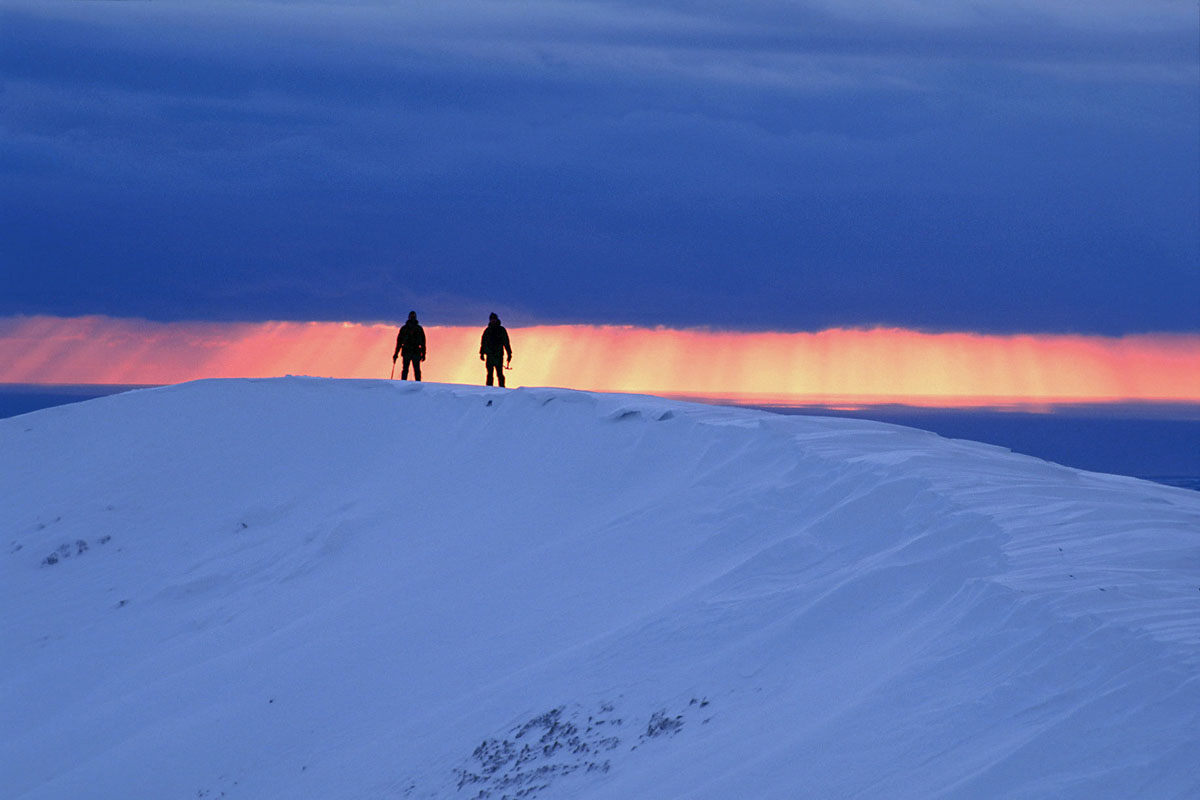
[306, 588]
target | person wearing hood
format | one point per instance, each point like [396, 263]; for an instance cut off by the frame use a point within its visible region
[492, 347]
[410, 343]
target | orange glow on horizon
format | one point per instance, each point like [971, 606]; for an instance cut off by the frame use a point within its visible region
[836, 366]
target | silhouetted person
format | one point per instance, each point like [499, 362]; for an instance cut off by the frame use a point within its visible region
[410, 342]
[492, 347]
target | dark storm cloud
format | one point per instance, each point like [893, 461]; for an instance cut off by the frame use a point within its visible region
[753, 165]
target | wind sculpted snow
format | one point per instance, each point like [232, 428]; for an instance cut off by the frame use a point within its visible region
[362, 589]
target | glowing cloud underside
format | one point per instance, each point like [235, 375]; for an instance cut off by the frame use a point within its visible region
[877, 365]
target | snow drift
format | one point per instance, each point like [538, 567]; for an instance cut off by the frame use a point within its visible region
[362, 589]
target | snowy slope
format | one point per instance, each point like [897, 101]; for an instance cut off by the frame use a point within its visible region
[303, 588]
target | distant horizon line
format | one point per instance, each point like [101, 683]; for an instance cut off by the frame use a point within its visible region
[1099, 407]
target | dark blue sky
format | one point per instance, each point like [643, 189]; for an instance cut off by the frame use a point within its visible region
[990, 166]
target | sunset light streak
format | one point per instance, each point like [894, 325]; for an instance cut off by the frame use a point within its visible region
[830, 366]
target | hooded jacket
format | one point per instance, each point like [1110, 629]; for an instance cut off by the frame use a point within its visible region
[494, 342]
[411, 339]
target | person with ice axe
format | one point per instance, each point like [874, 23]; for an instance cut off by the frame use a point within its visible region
[410, 343]
[492, 347]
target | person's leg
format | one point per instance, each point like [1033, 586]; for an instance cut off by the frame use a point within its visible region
[496, 364]
[404, 368]
[416, 368]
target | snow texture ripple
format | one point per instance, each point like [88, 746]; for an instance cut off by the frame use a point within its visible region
[363, 589]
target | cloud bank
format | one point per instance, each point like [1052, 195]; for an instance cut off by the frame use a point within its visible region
[999, 167]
